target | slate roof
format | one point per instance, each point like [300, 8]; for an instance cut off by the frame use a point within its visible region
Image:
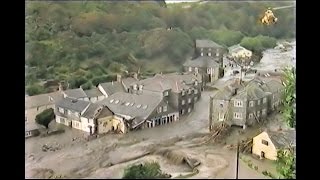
[129, 81]
[236, 48]
[72, 104]
[281, 139]
[42, 99]
[202, 61]
[112, 87]
[91, 111]
[105, 112]
[252, 91]
[188, 78]
[93, 93]
[75, 93]
[207, 44]
[160, 83]
[132, 104]
[272, 86]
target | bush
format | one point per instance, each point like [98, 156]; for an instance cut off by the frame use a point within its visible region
[144, 171]
[45, 117]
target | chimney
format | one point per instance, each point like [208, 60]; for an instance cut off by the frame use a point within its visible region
[118, 78]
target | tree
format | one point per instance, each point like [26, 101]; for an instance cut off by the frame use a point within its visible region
[35, 89]
[144, 171]
[45, 117]
[286, 163]
[289, 97]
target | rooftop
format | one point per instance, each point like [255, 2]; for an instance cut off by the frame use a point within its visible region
[75, 93]
[93, 93]
[42, 99]
[200, 43]
[202, 61]
[284, 138]
[132, 105]
[72, 104]
[112, 87]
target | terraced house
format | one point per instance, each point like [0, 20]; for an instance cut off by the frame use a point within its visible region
[245, 104]
[144, 110]
[181, 91]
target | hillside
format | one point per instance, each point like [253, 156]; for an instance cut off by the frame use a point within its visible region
[85, 43]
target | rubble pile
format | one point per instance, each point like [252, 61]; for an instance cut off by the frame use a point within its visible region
[245, 146]
[51, 147]
[218, 132]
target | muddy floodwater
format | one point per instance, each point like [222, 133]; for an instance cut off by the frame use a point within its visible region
[109, 155]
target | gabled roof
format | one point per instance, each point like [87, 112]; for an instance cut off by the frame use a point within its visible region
[129, 81]
[200, 43]
[132, 105]
[42, 99]
[188, 78]
[272, 86]
[92, 110]
[202, 61]
[156, 83]
[282, 139]
[93, 93]
[252, 91]
[75, 93]
[112, 87]
[72, 104]
[105, 111]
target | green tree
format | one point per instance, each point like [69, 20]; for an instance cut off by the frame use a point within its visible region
[286, 163]
[289, 97]
[149, 170]
[45, 117]
[35, 89]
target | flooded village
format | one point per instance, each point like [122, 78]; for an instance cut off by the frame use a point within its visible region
[176, 119]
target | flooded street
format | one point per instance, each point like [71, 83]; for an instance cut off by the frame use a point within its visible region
[107, 156]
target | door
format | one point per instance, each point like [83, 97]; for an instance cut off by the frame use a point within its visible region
[262, 154]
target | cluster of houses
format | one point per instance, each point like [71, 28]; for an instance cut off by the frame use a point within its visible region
[130, 103]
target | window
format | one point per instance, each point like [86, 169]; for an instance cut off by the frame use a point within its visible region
[196, 83]
[183, 92]
[238, 103]
[273, 96]
[250, 116]
[166, 93]
[189, 91]
[69, 112]
[195, 98]
[182, 111]
[165, 108]
[140, 87]
[61, 110]
[237, 115]
[258, 102]
[138, 106]
[190, 69]
[117, 101]
[183, 102]
[189, 100]
[189, 109]
[209, 54]
[217, 53]
[160, 109]
[251, 103]
[264, 111]
[111, 101]
[265, 142]
[196, 91]
[264, 100]
[258, 113]
[127, 104]
[134, 87]
[202, 54]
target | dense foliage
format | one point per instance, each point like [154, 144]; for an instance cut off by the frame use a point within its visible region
[84, 42]
[45, 117]
[289, 104]
[149, 170]
[286, 164]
